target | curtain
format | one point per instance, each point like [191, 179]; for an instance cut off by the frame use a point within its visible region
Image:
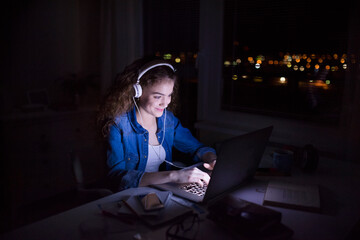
[121, 39]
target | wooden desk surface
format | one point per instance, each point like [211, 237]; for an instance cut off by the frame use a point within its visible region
[340, 197]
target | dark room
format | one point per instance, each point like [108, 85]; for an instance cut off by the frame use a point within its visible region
[180, 119]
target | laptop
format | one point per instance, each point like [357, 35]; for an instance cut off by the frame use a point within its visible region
[237, 161]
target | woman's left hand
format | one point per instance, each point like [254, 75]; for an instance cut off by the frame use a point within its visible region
[210, 166]
[209, 159]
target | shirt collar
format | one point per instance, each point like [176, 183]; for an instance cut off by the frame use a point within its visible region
[138, 128]
[134, 123]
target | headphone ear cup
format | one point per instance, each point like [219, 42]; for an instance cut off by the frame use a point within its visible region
[138, 90]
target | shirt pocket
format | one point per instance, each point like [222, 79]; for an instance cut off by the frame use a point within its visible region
[131, 161]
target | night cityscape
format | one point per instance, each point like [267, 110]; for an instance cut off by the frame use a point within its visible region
[287, 58]
[305, 86]
[301, 86]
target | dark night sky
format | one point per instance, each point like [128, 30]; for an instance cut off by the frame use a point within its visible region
[286, 25]
[262, 25]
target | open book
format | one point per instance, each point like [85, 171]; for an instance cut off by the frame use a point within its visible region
[289, 195]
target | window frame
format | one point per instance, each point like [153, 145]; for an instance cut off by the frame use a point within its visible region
[327, 138]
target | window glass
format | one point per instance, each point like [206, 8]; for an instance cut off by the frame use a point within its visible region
[285, 58]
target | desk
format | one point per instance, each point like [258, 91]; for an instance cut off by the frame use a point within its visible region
[339, 192]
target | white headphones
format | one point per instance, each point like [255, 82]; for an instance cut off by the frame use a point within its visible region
[147, 67]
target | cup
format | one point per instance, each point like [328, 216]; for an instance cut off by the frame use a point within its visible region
[283, 160]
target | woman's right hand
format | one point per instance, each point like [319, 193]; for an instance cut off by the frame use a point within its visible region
[192, 175]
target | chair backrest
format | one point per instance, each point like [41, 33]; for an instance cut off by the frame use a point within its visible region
[77, 169]
[91, 188]
[88, 167]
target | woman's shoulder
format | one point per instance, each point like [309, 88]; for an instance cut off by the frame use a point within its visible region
[170, 116]
[170, 119]
[122, 119]
[120, 124]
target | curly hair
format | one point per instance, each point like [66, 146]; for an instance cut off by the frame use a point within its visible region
[119, 98]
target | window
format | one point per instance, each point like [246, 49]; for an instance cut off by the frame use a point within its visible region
[215, 119]
[171, 31]
[285, 58]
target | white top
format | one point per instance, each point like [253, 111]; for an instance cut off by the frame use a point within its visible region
[156, 157]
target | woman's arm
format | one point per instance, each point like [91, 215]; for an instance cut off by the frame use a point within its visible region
[185, 142]
[179, 176]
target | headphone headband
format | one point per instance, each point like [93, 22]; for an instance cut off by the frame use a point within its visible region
[143, 70]
[151, 65]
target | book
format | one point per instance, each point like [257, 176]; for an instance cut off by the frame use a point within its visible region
[290, 195]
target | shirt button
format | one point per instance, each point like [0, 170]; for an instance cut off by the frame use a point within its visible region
[145, 139]
[145, 156]
[128, 159]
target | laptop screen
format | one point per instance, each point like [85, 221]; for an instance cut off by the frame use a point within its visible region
[238, 160]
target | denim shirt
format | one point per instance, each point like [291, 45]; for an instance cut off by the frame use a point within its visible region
[127, 152]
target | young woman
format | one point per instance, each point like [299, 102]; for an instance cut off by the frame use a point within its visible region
[141, 132]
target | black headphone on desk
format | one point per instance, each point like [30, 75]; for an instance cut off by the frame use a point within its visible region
[146, 68]
[309, 158]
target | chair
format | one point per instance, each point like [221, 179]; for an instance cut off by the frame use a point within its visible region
[87, 191]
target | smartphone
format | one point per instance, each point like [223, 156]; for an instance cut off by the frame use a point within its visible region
[150, 202]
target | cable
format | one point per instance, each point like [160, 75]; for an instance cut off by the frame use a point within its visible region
[174, 164]
[164, 128]
[162, 141]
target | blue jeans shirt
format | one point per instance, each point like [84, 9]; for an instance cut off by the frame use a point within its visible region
[127, 152]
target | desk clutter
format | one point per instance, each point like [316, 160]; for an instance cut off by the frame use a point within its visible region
[152, 209]
[248, 220]
[338, 219]
[238, 217]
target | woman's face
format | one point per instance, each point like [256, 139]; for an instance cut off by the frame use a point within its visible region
[156, 97]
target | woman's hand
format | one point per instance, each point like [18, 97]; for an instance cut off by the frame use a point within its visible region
[209, 160]
[210, 166]
[192, 175]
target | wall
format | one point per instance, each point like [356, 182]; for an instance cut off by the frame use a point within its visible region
[46, 42]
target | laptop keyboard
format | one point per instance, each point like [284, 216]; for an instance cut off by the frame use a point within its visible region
[194, 188]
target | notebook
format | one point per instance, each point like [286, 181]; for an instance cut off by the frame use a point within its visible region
[291, 195]
[237, 161]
